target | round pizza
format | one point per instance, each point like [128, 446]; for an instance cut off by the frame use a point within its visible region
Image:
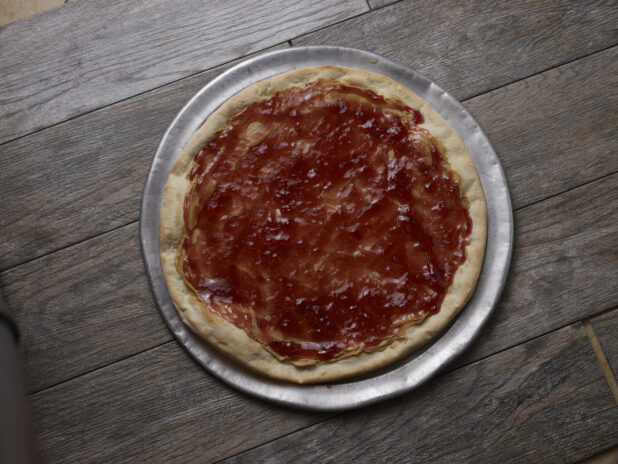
[321, 224]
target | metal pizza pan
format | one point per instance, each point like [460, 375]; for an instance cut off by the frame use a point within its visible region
[419, 366]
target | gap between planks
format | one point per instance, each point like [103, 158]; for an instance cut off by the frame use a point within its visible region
[601, 50]
[379, 7]
[290, 43]
[2, 271]
[601, 358]
[287, 43]
[439, 374]
[54, 385]
[455, 366]
[292, 432]
[450, 368]
[549, 197]
[284, 44]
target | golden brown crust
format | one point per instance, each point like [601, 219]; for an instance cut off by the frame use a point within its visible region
[234, 341]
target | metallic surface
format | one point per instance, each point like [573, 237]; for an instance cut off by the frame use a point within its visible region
[405, 374]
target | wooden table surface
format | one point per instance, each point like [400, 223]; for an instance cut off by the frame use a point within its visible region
[86, 93]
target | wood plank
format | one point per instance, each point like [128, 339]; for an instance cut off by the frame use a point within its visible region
[158, 406]
[559, 122]
[544, 401]
[102, 59]
[606, 329]
[564, 256]
[474, 46]
[82, 308]
[77, 208]
[93, 173]
[566, 250]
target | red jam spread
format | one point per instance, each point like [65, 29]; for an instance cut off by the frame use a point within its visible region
[323, 219]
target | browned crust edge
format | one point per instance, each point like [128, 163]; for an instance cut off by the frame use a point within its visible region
[234, 341]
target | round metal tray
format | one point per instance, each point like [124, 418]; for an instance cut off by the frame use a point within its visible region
[419, 366]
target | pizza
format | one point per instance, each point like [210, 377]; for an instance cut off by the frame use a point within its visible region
[321, 224]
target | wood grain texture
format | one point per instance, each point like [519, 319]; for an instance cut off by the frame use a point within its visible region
[87, 175]
[124, 392]
[158, 406]
[82, 308]
[554, 123]
[544, 401]
[470, 47]
[77, 208]
[118, 49]
[606, 329]
[566, 250]
[564, 257]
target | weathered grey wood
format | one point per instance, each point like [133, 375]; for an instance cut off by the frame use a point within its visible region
[67, 61]
[84, 177]
[544, 401]
[566, 250]
[555, 130]
[606, 329]
[82, 308]
[473, 46]
[157, 406]
[87, 306]
[78, 151]
[564, 257]
[160, 406]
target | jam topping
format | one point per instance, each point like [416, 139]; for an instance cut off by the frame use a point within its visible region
[323, 220]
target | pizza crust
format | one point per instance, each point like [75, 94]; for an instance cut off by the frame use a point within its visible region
[234, 341]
